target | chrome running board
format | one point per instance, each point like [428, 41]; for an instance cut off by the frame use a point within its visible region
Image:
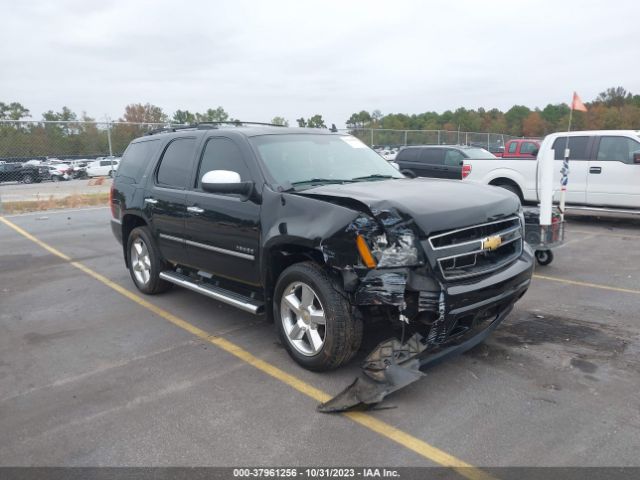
[225, 296]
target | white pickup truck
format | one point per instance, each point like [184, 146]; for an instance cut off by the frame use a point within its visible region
[604, 169]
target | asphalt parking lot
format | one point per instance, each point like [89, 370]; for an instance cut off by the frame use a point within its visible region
[91, 377]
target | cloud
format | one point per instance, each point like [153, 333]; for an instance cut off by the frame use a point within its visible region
[261, 59]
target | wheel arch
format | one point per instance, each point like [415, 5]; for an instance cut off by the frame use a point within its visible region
[278, 258]
[129, 222]
[497, 182]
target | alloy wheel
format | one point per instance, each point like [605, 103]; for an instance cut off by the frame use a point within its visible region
[140, 261]
[303, 318]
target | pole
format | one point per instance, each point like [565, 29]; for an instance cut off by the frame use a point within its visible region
[565, 168]
[372, 138]
[110, 147]
[405, 138]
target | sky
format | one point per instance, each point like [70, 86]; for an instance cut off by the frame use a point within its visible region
[259, 59]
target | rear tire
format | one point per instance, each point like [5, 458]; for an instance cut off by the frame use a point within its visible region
[145, 262]
[304, 298]
[408, 173]
[27, 179]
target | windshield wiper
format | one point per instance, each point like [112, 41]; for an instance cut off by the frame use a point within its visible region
[320, 181]
[374, 176]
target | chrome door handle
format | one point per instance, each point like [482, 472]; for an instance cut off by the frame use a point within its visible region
[195, 209]
[151, 201]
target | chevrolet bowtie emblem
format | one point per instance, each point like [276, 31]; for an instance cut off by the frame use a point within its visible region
[491, 243]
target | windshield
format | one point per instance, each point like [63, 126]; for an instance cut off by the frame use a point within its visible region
[478, 153]
[316, 159]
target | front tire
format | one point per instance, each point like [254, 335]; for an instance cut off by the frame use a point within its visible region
[27, 179]
[145, 262]
[313, 319]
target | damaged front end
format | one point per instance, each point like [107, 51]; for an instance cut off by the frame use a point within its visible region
[393, 275]
[388, 253]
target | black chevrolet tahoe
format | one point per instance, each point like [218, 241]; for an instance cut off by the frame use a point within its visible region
[321, 234]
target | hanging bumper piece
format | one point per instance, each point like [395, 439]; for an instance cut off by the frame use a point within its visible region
[391, 366]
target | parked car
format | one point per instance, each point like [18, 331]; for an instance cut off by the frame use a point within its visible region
[604, 169]
[103, 168]
[437, 161]
[321, 234]
[19, 172]
[521, 148]
[388, 155]
[79, 168]
[60, 171]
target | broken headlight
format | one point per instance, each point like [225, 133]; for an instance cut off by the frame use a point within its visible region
[402, 251]
[522, 220]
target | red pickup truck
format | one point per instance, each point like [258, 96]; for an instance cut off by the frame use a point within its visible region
[520, 148]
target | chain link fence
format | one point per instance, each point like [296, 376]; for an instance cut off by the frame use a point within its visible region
[389, 139]
[38, 158]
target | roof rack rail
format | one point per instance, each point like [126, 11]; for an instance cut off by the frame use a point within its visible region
[207, 125]
[169, 128]
[237, 123]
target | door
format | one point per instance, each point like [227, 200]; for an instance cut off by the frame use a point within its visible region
[453, 160]
[580, 148]
[165, 198]
[430, 163]
[223, 230]
[614, 180]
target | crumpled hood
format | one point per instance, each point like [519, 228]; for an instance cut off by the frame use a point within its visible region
[434, 204]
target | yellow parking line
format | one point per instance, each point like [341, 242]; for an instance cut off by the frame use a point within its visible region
[390, 432]
[586, 284]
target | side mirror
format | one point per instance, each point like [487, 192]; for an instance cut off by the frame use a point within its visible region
[225, 181]
[636, 157]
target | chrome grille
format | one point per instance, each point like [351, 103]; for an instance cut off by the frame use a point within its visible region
[466, 252]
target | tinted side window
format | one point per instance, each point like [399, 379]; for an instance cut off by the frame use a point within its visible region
[222, 154]
[617, 149]
[512, 147]
[175, 164]
[135, 159]
[432, 156]
[453, 158]
[528, 147]
[577, 145]
[408, 155]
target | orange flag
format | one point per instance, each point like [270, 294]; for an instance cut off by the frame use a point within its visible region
[577, 103]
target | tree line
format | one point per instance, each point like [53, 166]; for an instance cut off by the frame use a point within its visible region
[614, 108]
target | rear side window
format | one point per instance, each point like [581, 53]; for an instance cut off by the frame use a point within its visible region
[432, 156]
[453, 158]
[577, 145]
[617, 149]
[135, 160]
[408, 155]
[175, 164]
[222, 154]
[528, 147]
